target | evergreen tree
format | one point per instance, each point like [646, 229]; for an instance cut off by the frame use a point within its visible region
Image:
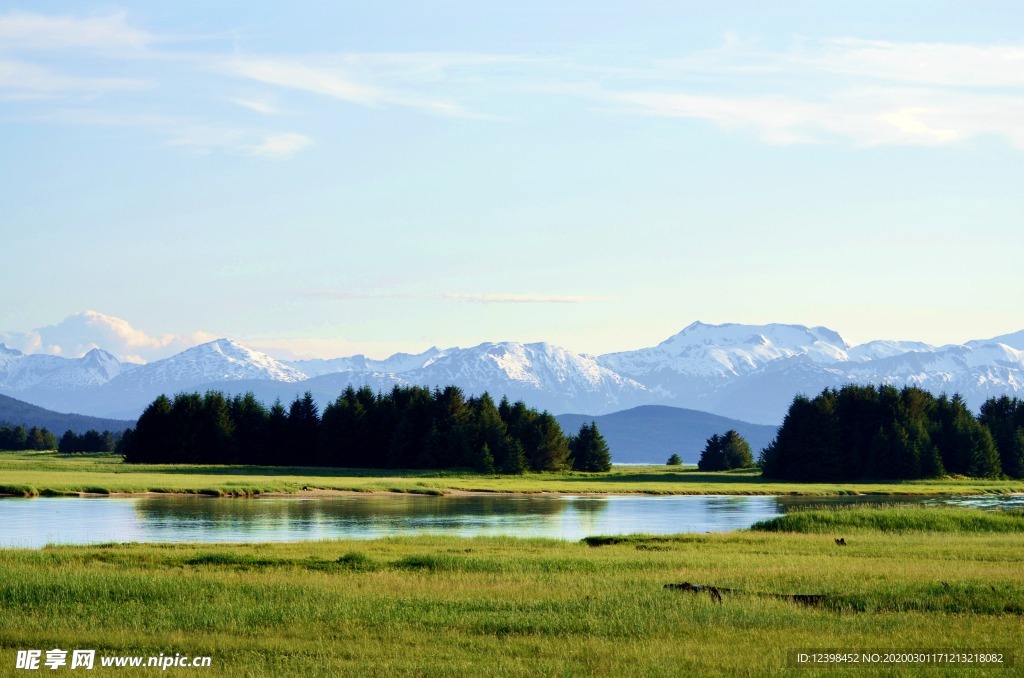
[551, 452]
[68, 442]
[154, 433]
[19, 438]
[484, 461]
[674, 460]
[34, 439]
[712, 457]
[515, 462]
[1004, 419]
[589, 450]
[277, 451]
[736, 451]
[251, 421]
[984, 455]
[216, 438]
[490, 444]
[303, 430]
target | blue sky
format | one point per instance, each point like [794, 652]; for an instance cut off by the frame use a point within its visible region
[325, 179]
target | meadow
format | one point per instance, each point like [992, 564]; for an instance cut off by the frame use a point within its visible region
[49, 473]
[909, 579]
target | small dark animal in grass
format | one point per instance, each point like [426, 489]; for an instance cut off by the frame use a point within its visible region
[841, 541]
[812, 599]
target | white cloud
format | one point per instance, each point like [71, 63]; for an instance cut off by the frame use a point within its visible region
[206, 138]
[258, 106]
[327, 82]
[281, 146]
[197, 136]
[867, 92]
[949, 64]
[522, 298]
[25, 77]
[78, 334]
[336, 81]
[23, 30]
[458, 296]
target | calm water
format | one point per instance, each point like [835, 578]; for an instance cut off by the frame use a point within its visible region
[36, 522]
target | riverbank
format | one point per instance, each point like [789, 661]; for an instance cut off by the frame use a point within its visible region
[502, 606]
[29, 474]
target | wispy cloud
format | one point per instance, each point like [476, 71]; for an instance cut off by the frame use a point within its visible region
[324, 81]
[23, 30]
[950, 64]
[355, 295]
[195, 135]
[336, 81]
[523, 298]
[282, 145]
[25, 78]
[459, 296]
[259, 106]
[868, 92]
[205, 138]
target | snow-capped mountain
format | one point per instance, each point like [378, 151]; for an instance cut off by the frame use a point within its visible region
[19, 372]
[547, 376]
[400, 362]
[752, 372]
[688, 368]
[543, 375]
[220, 360]
[719, 353]
[748, 372]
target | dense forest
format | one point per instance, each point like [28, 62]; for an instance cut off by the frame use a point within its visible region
[20, 438]
[409, 427]
[868, 432]
[90, 441]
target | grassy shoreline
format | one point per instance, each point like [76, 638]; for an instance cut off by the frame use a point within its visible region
[29, 474]
[451, 606]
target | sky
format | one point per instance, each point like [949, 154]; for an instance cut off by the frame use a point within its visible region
[324, 179]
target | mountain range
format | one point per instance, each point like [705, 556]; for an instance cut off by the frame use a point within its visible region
[648, 434]
[17, 413]
[746, 372]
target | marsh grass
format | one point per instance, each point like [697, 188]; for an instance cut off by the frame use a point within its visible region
[901, 518]
[29, 474]
[447, 606]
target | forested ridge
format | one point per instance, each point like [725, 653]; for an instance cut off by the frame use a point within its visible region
[868, 432]
[408, 427]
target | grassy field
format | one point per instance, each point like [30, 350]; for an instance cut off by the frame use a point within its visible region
[439, 606]
[49, 473]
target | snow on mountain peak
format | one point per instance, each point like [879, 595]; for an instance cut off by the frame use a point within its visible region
[5, 350]
[720, 353]
[218, 360]
[745, 371]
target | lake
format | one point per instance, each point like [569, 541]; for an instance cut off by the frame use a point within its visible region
[36, 522]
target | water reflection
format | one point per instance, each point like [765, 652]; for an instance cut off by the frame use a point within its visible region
[36, 522]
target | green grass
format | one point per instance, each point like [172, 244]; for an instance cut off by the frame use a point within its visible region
[907, 518]
[48, 473]
[444, 606]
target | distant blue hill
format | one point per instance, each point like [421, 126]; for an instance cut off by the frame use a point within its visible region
[17, 413]
[651, 433]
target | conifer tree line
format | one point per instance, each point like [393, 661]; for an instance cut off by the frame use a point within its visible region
[90, 441]
[868, 432]
[409, 427]
[20, 438]
[725, 452]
